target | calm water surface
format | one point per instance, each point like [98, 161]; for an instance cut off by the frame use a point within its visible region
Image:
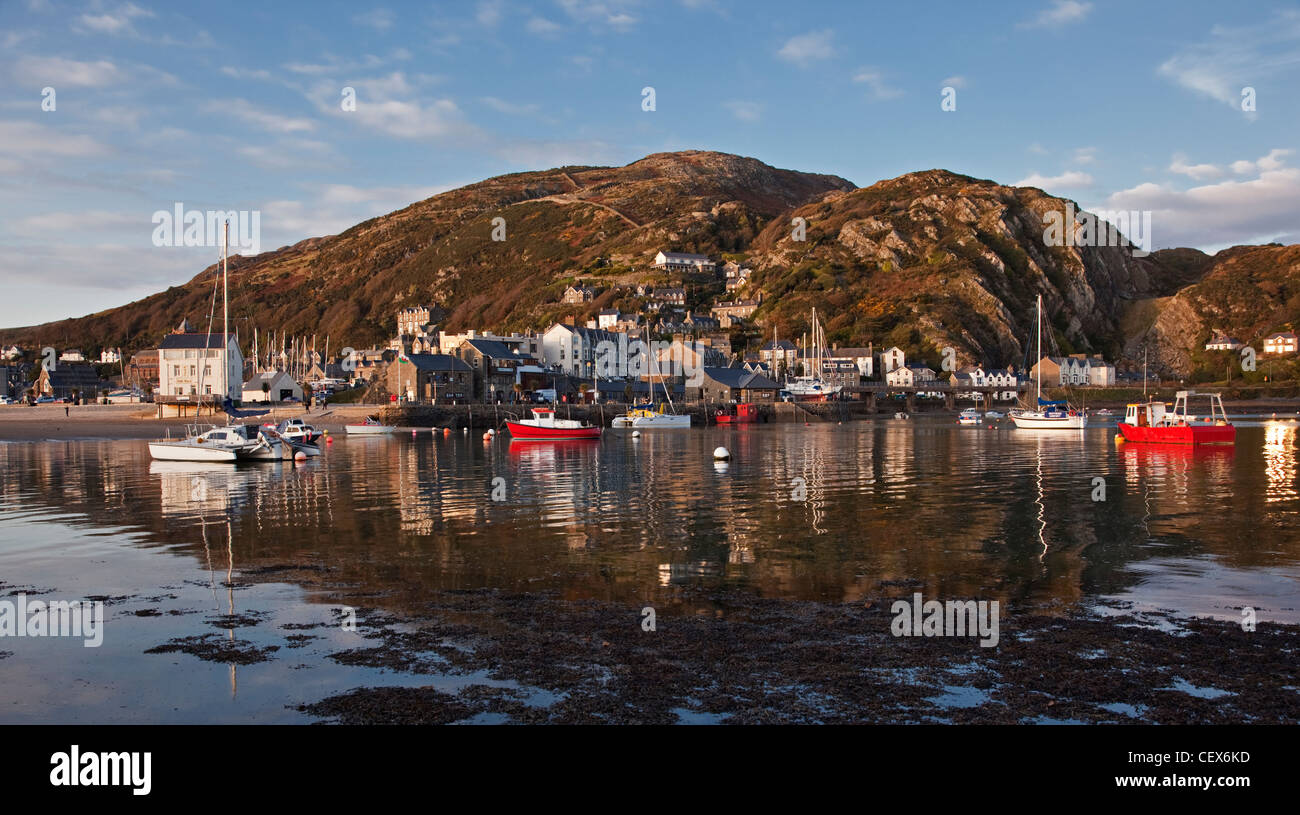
[824, 513]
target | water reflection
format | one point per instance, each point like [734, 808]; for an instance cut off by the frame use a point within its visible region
[826, 512]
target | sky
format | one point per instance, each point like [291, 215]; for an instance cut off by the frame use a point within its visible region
[112, 112]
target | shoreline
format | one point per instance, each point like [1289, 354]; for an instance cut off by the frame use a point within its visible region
[20, 423]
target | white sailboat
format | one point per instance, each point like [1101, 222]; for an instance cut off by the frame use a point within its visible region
[811, 387]
[233, 442]
[1058, 415]
[652, 418]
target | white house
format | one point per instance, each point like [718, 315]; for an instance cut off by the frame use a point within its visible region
[110, 355]
[607, 319]
[199, 364]
[892, 359]
[1282, 343]
[72, 355]
[572, 349]
[1222, 342]
[910, 375]
[279, 387]
[683, 262]
[1076, 369]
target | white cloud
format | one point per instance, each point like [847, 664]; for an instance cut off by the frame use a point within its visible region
[875, 82]
[542, 27]
[394, 106]
[1235, 58]
[34, 141]
[245, 73]
[488, 13]
[598, 13]
[804, 49]
[380, 19]
[1221, 214]
[114, 22]
[59, 72]
[1059, 14]
[1085, 155]
[1037, 149]
[259, 117]
[745, 111]
[510, 108]
[289, 153]
[1068, 180]
[1200, 172]
[953, 82]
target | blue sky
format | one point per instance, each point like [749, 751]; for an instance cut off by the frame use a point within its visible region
[237, 106]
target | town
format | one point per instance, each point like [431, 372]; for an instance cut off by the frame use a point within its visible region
[603, 358]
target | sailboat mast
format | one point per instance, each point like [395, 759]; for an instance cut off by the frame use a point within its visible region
[1039, 339]
[225, 306]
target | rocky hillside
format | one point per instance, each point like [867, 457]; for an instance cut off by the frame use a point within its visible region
[589, 221]
[925, 261]
[1247, 292]
[935, 259]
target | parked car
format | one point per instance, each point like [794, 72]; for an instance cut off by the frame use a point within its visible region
[5, 400]
[45, 400]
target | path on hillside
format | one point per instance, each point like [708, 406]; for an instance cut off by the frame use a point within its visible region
[570, 198]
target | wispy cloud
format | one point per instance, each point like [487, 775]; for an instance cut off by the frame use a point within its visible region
[875, 82]
[1234, 58]
[1200, 172]
[1070, 179]
[1059, 14]
[953, 82]
[542, 27]
[805, 49]
[259, 117]
[59, 72]
[120, 21]
[511, 108]
[380, 19]
[745, 111]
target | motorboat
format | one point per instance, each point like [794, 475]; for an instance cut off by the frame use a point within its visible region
[214, 444]
[969, 416]
[370, 427]
[298, 430]
[994, 414]
[1159, 423]
[544, 426]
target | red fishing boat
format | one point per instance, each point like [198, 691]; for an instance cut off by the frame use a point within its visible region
[545, 427]
[1157, 423]
[743, 413]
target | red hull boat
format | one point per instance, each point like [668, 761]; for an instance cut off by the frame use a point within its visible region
[545, 427]
[746, 413]
[1153, 423]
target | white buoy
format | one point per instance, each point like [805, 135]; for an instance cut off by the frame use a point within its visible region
[636, 434]
[487, 437]
[721, 454]
[492, 432]
[300, 456]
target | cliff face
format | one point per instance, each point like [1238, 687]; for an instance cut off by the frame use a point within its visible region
[1247, 292]
[935, 259]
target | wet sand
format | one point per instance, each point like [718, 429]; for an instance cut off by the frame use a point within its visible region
[773, 661]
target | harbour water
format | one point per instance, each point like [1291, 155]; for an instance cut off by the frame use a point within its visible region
[1042, 522]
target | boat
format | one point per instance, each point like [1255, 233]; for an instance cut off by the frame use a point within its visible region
[1158, 423]
[544, 426]
[298, 430]
[648, 417]
[370, 427]
[994, 414]
[900, 415]
[214, 444]
[811, 387]
[651, 418]
[742, 413]
[1057, 415]
[969, 416]
[288, 447]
